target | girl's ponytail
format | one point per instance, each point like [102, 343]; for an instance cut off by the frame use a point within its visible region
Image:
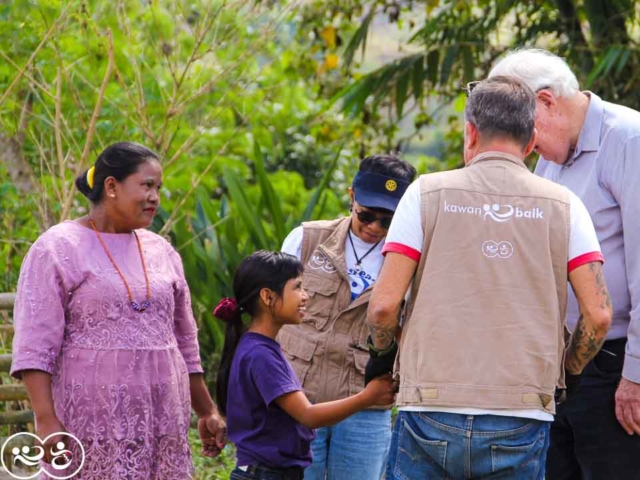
[229, 312]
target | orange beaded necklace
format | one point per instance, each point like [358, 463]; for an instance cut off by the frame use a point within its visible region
[135, 305]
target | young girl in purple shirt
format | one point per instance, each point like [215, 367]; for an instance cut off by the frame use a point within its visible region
[269, 418]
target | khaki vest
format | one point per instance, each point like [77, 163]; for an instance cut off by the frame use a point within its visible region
[328, 351]
[485, 317]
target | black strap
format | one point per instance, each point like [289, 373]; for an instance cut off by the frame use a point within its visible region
[359, 260]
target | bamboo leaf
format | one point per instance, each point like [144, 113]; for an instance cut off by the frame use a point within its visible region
[272, 202]
[245, 213]
[603, 66]
[447, 63]
[359, 38]
[402, 86]
[317, 193]
[624, 58]
[433, 62]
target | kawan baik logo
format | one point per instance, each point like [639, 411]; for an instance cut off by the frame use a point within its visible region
[496, 212]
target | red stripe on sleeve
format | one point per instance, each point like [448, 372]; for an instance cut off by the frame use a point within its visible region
[583, 259]
[394, 247]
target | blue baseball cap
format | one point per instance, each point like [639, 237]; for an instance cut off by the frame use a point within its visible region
[373, 190]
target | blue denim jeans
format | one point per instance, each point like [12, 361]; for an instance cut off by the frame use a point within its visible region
[434, 445]
[354, 449]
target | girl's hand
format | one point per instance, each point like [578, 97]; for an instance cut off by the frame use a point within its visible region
[381, 391]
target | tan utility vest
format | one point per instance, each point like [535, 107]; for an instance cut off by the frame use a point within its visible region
[485, 318]
[328, 351]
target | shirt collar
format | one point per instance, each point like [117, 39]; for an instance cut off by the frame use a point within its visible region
[589, 138]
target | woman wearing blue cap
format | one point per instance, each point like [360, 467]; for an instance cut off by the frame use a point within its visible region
[328, 351]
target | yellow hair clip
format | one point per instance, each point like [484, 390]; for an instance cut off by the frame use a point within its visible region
[90, 173]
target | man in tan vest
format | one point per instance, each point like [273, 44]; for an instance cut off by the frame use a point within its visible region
[487, 250]
[328, 351]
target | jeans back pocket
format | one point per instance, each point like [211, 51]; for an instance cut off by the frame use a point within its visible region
[419, 457]
[522, 457]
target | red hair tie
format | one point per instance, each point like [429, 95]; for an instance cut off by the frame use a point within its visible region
[228, 310]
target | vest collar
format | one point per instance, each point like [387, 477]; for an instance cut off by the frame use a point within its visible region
[496, 155]
[333, 246]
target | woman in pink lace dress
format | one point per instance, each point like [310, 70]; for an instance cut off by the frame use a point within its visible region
[105, 341]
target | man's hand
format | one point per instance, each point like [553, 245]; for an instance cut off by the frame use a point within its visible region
[213, 433]
[628, 406]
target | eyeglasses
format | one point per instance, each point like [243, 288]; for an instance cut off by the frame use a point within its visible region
[471, 85]
[366, 217]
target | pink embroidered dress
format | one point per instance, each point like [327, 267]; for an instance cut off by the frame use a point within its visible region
[120, 378]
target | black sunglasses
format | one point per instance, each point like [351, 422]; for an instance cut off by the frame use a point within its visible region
[366, 217]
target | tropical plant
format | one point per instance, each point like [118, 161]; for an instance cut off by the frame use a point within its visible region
[453, 42]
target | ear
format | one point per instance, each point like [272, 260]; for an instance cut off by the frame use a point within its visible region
[110, 187]
[547, 99]
[532, 143]
[471, 137]
[267, 296]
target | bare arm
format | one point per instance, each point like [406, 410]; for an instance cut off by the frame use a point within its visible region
[386, 299]
[38, 384]
[379, 391]
[200, 398]
[595, 315]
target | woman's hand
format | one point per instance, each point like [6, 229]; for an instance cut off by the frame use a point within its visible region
[213, 433]
[49, 425]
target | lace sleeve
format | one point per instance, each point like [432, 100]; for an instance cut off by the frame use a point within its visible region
[185, 328]
[39, 311]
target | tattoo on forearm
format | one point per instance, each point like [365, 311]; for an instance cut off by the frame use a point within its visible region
[601, 285]
[381, 336]
[587, 340]
[585, 344]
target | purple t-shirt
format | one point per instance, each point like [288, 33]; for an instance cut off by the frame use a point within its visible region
[263, 433]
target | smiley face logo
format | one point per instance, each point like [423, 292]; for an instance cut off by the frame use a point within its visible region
[391, 185]
[505, 249]
[491, 249]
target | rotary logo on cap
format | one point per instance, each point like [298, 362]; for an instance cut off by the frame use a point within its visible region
[391, 185]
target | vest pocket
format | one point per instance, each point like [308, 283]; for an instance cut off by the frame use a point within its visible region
[356, 381]
[299, 351]
[322, 298]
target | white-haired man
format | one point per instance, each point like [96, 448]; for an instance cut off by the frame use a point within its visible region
[593, 147]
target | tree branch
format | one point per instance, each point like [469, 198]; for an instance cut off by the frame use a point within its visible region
[92, 125]
[53, 28]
